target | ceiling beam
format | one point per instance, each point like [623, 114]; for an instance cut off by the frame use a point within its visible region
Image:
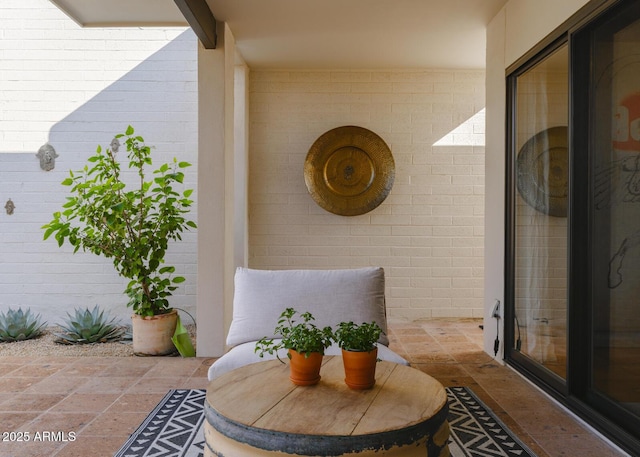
[201, 20]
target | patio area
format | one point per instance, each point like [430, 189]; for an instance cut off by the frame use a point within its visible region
[99, 401]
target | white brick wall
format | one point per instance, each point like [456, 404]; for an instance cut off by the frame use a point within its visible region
[75, 88]
[428, 233]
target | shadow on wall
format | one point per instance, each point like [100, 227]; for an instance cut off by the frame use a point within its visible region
[159, 98]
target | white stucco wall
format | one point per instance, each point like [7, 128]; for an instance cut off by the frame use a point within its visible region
[517, 28]
[75, 88]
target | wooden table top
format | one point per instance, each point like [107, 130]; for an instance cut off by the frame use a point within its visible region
[261, 395]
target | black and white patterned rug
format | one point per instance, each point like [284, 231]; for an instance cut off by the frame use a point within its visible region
[174, 428]
[476, 431]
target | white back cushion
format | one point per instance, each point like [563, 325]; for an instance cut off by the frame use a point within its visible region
[332, 296]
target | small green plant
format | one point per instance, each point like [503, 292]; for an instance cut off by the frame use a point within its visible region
[303, 337]
[18, 325]
[354, 337]
[90, 326]
[131, 225]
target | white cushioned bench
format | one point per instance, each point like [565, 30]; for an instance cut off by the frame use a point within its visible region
[332, 296]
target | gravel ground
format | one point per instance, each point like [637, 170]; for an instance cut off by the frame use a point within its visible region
[45, 345]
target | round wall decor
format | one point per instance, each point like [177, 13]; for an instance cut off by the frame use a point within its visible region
[349, 170]
[543, 171]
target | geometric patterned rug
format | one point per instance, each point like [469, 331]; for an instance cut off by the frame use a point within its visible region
[174, 428]
[476, 431]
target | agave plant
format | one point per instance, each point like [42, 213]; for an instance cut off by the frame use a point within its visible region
[89, 326]
[19, 325]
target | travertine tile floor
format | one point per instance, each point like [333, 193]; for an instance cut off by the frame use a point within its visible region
[90, 405]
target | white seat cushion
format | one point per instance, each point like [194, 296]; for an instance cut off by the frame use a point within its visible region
[244, 354]
[332, 296]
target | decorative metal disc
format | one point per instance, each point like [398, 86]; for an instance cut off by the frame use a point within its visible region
[349, 171]
[543, 171]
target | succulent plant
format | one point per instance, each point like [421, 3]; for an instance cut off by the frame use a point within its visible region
[90, 326]
[18, 325]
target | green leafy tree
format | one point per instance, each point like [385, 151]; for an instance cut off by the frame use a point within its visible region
[131, 225]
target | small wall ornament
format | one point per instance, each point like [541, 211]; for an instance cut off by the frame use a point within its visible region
[115, 145]
[47, 156]
[9, 207]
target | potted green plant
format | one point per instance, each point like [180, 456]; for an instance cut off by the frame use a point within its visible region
[359, 352]
[131, 225]
[305, 343]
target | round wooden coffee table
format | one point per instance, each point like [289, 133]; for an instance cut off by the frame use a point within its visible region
[256, 411]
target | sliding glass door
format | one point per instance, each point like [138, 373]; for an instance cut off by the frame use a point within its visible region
[572, 283]
[539, 212]
[608, 52]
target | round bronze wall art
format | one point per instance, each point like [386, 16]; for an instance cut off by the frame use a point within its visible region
[543, 171]
[349, 171]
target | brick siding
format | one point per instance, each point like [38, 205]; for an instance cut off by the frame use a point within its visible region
[75, 88]
[428, 233]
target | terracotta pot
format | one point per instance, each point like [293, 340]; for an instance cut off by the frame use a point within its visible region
[360, 368]
[304, 371]
[152, 334]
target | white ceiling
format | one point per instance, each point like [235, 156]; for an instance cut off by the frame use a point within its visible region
[334, 34]
[359, 33]
[119, 13]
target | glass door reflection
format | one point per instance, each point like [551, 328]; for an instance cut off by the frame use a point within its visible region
[615, 211]
[540, 212]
